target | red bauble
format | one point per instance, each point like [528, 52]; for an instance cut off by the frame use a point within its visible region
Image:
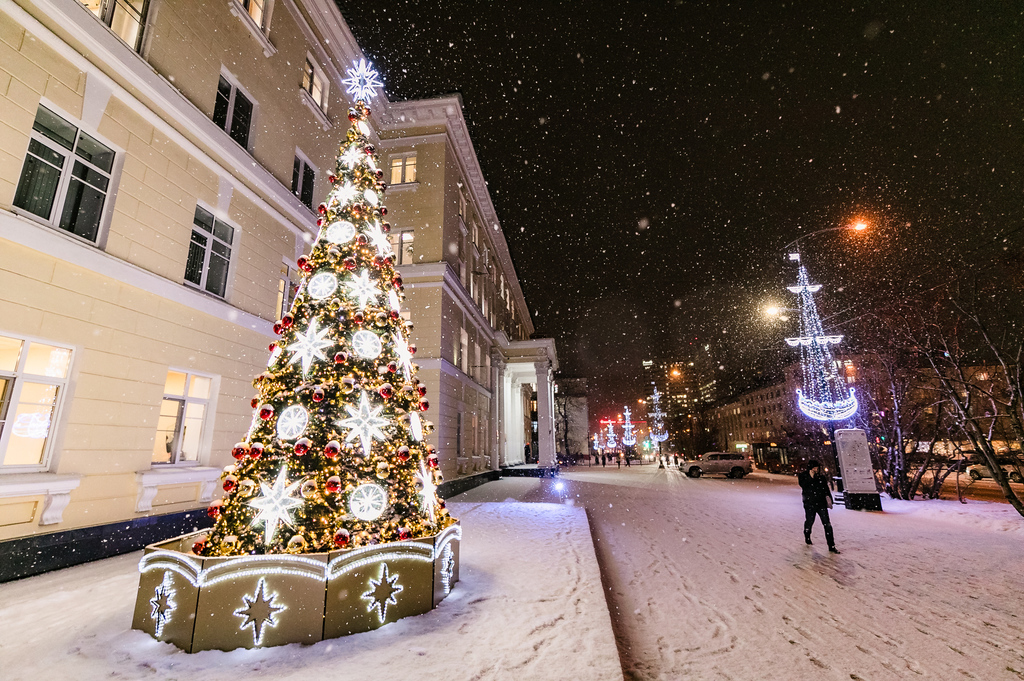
[380, 173]
[214, 510]
[422, 390]
[332, 448]
[341, 358]
[397, 281]
[331, 178]
[255, 402]
[432, 461]
[272, 347]
[362, 240]
[385, 227]
[382, 187]
[349, 263]
[368, 149]
[302, 445]
[333, 484]
[394, 315]
[424, 405]
[392, 367]
[322, 209]
[383, 210]
[341, 538]
[230, 483]
[386, 391]
[358, 318]
[255, 450]
[403, 453]
[240, 450]
[404, 533]
[319, 222]
[266, 411]
[318, 394]
[199, 547]
[278, 328]
[352, 116]
[287, 320]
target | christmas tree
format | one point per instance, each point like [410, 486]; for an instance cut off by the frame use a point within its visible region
[335, 456]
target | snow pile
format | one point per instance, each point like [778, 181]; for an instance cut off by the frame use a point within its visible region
[530, 599]
[985, 516]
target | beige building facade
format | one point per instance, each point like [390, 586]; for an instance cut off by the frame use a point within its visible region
[160, 165]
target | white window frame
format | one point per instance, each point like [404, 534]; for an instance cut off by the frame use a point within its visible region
[104, 11]
[18, 378]
[260, 31]
[236, 87]
[232, 249]
[402, 243]
[315, 73]
[286, 290]
[297, 191]
[205, 432]
[404, 166]
[61, 194]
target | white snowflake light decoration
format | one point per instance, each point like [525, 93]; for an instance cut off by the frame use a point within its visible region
[340, 232]
[415, 426]
[275, 504]
[380, 240]
[310, 346]
[322, 285]
[368, 501]
[366, 344]
[363, 289]
[404, 355]
[352, 156]
[345, 193]
[364, 423]
[292, 422]
[362, 81]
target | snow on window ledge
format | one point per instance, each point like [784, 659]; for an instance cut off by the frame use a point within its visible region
[308, 100]
[236, 9]
[150, 481]
[56, 488]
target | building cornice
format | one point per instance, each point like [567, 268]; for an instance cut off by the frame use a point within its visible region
[447, 111]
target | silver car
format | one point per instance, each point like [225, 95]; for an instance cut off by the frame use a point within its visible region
[730, 464]
[980, 470]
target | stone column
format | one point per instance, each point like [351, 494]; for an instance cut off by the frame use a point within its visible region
[545, 415]
[497, 434]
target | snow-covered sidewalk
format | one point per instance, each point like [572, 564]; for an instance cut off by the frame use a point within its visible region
[529, 600]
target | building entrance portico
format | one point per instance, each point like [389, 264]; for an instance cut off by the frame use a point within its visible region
[522, 369]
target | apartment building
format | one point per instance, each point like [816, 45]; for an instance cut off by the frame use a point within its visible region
[160, 163]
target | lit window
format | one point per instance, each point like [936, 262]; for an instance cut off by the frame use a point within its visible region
[66, 176]
[303, 178]
[314, 83]
[32, 379]
[403, 169]
[256, 10]
[401, 244]
[126, 18]
[209, 253]
[179, 429]
[285, 291]
[233, 111]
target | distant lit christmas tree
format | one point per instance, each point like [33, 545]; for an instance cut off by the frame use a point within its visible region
[335, 456]
[628, 438]
[658, 432]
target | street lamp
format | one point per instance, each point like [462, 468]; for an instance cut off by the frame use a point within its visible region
[856, 226]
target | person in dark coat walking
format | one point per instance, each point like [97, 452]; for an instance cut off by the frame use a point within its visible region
[817, 501]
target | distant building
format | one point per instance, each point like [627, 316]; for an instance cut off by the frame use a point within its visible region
[572, 436]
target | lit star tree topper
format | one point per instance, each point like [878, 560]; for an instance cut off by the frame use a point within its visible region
[363, 81]
[339, 407]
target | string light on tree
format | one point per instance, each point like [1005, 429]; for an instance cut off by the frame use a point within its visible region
[658, 432]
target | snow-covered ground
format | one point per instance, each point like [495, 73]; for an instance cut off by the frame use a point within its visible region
[710, 579]
[529, 603]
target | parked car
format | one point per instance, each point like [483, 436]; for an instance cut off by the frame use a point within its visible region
[732, 465]
[979, 470]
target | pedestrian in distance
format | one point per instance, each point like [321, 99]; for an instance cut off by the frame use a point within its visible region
[604, 460]
[618, 461]
[817, 501]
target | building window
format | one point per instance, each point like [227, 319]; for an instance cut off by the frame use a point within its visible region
[179, 429]
[403, 169]
[126, 18]
[401, 244]
[233, 111]
[209, 253]
[66, 176]
[464, 351]
[32, 380]
[462, 203]
[285, 291]
[256, 9]
[315, 84]
[303, 178]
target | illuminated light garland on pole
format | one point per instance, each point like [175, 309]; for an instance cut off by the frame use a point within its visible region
[824, 396]
[658, 432]
[628, 438]
[611, 442]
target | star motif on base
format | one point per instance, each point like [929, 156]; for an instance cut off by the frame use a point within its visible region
[362, 288]
[275, 504]
[310, 346]
[163, 603]
[382, 593]
[259, 611]
[447, 568]
[362, 81]
[364, 423]
[428, 492]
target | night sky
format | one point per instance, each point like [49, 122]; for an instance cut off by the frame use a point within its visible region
[650, 160]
